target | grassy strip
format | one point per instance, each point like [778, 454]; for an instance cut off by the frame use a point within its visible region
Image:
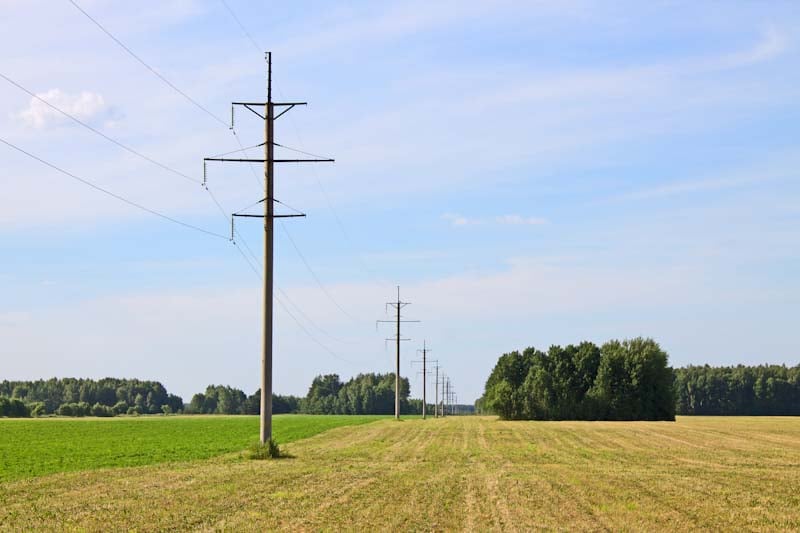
[36, 447]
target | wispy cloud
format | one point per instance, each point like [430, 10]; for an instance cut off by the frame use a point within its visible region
[772, 44]
[84, 105]
[778, 166]
[503, 220]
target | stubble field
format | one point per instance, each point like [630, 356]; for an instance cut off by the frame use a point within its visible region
[460, 473]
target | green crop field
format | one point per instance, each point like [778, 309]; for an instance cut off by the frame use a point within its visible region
[460, 473]
[34, 447]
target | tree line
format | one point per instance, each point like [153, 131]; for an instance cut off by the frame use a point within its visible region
[363, 394]
[627, 380]
[738, 390]
[86, 397]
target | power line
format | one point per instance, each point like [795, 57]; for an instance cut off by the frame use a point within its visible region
[332, 209]
[98, 132]
[239, 150]
[162, 78]
[314, 274]
[300, 151]
[241, 26]
[148, 67]
[113, 195]
[292, 316]
[309, 335]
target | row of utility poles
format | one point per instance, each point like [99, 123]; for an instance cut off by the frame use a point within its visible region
[445, 405]
[270, 111]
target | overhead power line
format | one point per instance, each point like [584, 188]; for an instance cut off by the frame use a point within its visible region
[112, 194]
[241, 27]
[291, 315]
[314, 274]
[98, 132]
[147, 66]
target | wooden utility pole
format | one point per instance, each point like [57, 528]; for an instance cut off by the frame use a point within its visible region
[398, 305]
[269, 216]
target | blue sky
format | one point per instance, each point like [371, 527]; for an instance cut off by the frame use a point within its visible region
[531, 173]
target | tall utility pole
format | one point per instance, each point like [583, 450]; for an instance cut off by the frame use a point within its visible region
[398, 306]
[424, 351]
[269, 217]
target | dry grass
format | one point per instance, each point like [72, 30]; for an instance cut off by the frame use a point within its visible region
[454, 474]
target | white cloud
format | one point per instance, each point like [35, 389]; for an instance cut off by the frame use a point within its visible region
[84, 105]
[506, 220]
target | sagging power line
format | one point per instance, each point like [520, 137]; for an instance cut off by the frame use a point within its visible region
[112, 194]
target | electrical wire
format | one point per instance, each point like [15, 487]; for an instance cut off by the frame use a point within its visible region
[293, 317]
[148, 67]
[221, 121]
[377, 279]
[239, 150]
[113, 195]
[288, 299]
[241, 26]
[300, 151]
[98, 132]
[314, 274]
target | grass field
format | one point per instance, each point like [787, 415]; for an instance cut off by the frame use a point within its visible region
[34, 447]
[467, 473]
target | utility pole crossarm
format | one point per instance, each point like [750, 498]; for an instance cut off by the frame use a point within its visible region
[273, 216]
[239, 160]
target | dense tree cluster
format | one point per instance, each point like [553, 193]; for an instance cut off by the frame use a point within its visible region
[365, 394]
[88, 397]
[738, 390]
[223, 400]
[627, 380]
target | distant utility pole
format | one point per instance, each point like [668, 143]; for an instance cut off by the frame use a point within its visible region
[449, 412]
[444, 394]
[436, 381]
[424, 351]
[269, 217]
[398, 305]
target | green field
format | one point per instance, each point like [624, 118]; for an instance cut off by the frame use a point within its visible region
[34, 447]
[460, 473]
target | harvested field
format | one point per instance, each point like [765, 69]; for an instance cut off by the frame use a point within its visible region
[473, 473]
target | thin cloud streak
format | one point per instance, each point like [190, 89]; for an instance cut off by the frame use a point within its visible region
[457, 220]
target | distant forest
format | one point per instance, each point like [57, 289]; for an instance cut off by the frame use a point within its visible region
[626, 380]
[86, 397]
[738, 390]
[363, 394]
[630, 380]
